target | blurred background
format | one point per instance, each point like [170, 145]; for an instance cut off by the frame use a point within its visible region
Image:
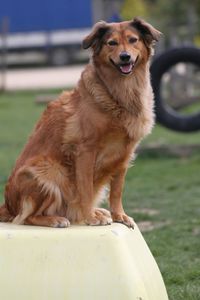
[40, 54]
[50, 32]
[40, 35]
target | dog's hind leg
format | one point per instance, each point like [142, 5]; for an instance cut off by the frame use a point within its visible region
[39, 188]
[49, 221]
[29, 216]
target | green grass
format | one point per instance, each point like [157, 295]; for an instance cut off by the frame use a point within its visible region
[160, 180]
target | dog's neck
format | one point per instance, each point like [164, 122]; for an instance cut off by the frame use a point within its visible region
[122, 93]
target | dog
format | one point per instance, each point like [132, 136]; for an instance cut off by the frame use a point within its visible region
[86, 138]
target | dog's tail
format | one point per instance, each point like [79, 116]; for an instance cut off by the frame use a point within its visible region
[5, 215]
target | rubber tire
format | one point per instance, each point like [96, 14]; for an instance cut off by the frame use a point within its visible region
[161, 64]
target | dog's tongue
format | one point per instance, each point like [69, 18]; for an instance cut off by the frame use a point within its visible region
[126, 68]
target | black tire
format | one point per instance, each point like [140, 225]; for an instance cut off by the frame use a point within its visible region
[165, 116]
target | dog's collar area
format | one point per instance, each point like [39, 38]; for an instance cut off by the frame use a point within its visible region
[124, 68]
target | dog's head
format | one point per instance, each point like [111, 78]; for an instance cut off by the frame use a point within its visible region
[122, 46]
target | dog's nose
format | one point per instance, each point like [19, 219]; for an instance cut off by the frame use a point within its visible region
[125, 56]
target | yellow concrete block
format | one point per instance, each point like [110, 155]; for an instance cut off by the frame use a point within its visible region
[78, 263]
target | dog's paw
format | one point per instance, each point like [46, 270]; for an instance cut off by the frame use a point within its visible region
[59, 222]
[98, 218]
[124, 219]
[103, 211]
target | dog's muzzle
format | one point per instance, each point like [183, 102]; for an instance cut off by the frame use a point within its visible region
[126, 64]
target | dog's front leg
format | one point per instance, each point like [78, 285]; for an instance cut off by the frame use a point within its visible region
[85, 188]
[116, 207]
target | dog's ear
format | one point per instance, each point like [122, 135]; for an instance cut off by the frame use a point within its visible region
[96, 35]
[147, 31]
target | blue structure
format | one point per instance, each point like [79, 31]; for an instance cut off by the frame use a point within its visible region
[37, 15]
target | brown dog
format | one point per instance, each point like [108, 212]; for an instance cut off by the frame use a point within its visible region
[86, 138]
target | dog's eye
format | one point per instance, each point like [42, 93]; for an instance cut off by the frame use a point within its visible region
[112, 43]
[133, 40]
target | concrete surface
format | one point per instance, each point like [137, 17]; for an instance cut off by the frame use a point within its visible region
[42, 78]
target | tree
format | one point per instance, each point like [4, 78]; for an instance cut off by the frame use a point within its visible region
[133, 8]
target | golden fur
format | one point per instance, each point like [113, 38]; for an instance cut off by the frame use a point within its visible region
[86, 138]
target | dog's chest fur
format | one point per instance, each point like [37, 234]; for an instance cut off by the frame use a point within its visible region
[129, 103]
[112, 150]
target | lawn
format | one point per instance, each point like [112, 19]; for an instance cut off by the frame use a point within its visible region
[162, 191]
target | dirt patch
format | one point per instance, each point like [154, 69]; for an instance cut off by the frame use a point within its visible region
[196, 231]
[182, 151]
[146, 211]
[146, 226]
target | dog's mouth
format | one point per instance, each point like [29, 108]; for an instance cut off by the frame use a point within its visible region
[124, 68]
